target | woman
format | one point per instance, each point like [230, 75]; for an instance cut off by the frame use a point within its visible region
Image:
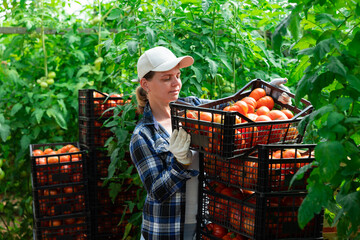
[167, 167]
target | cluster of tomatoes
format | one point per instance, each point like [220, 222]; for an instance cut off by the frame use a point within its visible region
[58, 166]
[74, 227]
[262, 129]
[236, 208]
[101, 107]
[244, 171]
[60, 190]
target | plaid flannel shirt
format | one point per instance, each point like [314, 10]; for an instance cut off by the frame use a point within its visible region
[163, 178]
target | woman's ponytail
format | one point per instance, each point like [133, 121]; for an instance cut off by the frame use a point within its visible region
[141, 97]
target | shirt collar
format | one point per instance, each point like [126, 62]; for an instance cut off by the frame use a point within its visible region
[149, 117]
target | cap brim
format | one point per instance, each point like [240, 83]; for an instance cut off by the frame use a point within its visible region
[183, 62]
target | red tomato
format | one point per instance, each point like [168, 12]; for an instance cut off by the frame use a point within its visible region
[216, 230]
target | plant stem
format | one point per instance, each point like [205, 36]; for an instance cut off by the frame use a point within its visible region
[99, 32]
[43, 38]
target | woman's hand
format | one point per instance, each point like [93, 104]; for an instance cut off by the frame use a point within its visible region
[180, 146]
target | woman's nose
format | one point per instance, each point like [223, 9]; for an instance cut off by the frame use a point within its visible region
[175, 80]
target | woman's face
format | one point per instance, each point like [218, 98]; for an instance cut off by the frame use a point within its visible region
[164, 86]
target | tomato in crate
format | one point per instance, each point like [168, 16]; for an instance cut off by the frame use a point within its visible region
[226, 127]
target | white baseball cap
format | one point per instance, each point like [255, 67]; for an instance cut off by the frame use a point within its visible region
[160, 59]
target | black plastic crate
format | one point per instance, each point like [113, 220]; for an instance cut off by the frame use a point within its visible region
[61, 200]
[229, 134]
[258, 216]
[71, 227]
[58, 166]
[92, 133]
[96, 104]
[266, 168]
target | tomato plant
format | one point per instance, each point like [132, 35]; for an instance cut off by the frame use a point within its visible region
[327, 71]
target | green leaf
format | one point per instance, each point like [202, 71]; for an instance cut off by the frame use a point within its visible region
[329, 154]
[316, 199]
[323, 18]
[336, 66]
[279, 32]
[151, 37]
[350, 203]
[198, 74]
[300, 173]
[114, 14]
[38, 113]
[294, 26]
[15, 109]
[354, 82]
[224, 59]
[344, 103]
[57, 115]
[114, 189]
[4, 130]
[323, 48]
[84, 69]
[25, 142]
[304, 85]
[79, 55]
[213, 66]
[132, 47]
[334, 118]
[297, 73]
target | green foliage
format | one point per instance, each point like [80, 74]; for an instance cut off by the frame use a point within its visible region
[313, 43]
[328, 55]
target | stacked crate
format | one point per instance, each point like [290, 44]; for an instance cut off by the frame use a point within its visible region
[246, 168]
[109, 218]
[60, 191]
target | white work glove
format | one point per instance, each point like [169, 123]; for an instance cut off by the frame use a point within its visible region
[279, 83]
[180, 146]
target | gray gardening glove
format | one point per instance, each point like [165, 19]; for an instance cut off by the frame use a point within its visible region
[180, 146]
[283, 98]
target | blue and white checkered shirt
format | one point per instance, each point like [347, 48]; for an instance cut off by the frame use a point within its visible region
[163, 178]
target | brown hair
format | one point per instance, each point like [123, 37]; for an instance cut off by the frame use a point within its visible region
[141, 94]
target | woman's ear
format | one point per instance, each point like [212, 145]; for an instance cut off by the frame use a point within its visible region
[144, 84]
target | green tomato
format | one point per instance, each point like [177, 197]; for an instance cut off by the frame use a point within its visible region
[1, 162]
[227, 89]
[44, 85]
[50, 81]
[95, 20]
[2, 174]
[51, 75]
[39, 81]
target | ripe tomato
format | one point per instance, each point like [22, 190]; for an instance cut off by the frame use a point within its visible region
[250, 101]
[288, 113]
[48, 151]
[216, 230]
[38, 152]
[53, 160]
[263, 110]
[265, 101]
[65, 158]
[291, 153]
[232, 108]
[242, 107]
[73, 150]
[263, 131]
[257, 93]
[276, 115]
